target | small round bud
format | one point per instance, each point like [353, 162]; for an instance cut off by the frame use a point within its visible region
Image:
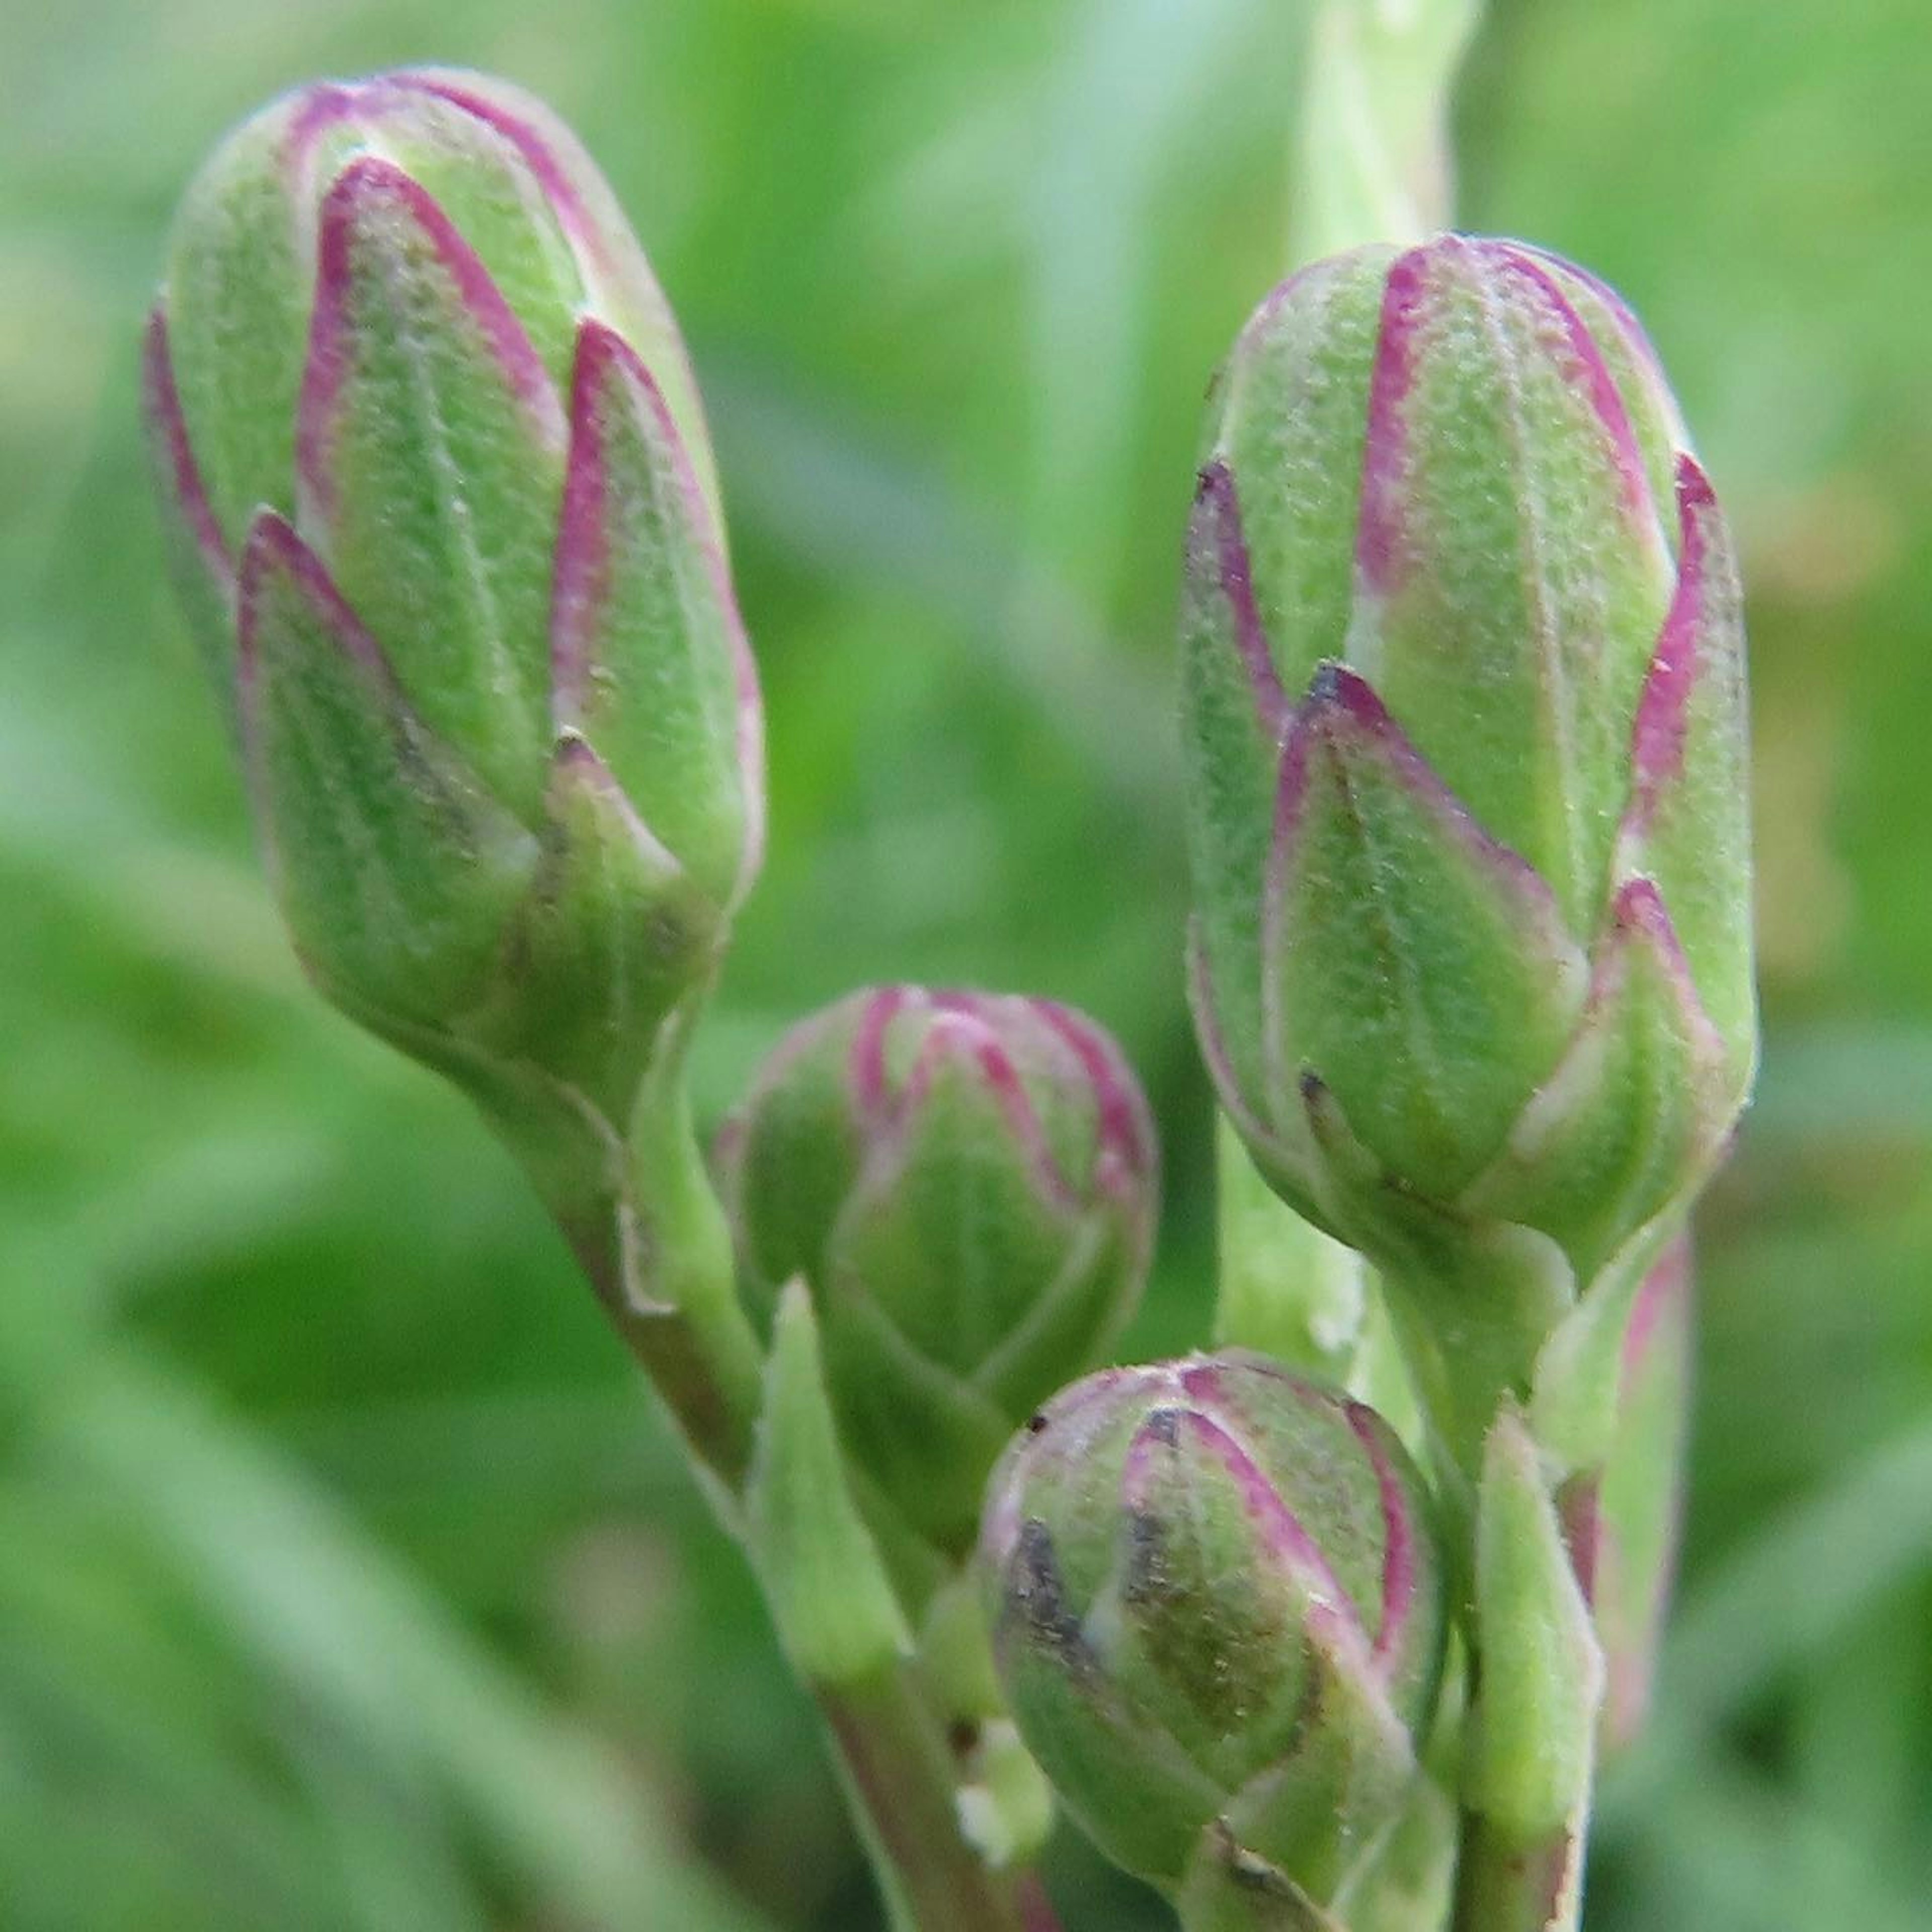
[1217, 1600]
[967, 1182]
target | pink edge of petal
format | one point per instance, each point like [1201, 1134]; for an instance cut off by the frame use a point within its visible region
[1283, 1535]
[957, 1033]
[1214, 1047]
[1341, 702]
[580, 577]
[576, 760]
[1606, 399]
[580, 581]
[369, 178]
[1625, 317]
[164, 411]
[552, 175]
[1579, 1517]
[1219, 552]
[1660, 1291]
[1290, 796]
[1126, 1132]
[1661, 727]
[1399, 1561]
[1639, 916]
[1378, 525]
[866, 1065]
[272, 544]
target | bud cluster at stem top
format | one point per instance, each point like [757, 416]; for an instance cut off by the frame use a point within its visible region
[443, 511]
[1464, 717]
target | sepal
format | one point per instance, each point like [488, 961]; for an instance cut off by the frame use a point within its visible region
[834, 1606]
[396, 870]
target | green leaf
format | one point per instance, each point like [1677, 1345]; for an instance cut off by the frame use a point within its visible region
[836, 1613]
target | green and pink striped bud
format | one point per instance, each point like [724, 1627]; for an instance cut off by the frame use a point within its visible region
[442, 510]
[1465, 731]
[967, 1183]
[1219, 1612]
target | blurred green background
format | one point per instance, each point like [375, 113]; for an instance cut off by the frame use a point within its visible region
[347, 1581]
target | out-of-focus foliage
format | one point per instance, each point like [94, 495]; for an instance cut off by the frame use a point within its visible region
[346, 1579]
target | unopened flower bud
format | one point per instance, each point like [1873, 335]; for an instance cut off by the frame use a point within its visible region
[967, 1183]
[440, 502]
[1217, 1603]
[1465, 717]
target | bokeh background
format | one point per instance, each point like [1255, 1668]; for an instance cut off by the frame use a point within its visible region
[347, 1582]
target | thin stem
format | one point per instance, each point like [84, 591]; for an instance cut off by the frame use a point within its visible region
[901, 1778]
[1372, 155]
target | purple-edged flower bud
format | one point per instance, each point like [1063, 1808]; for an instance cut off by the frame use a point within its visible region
[1465, 717]
[441, 505]
[967, 1183]
[1217, 1602]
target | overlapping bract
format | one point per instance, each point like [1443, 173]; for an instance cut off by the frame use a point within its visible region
[1464, 726]
[1217, 1602]
[966, 1182]
[441, 505]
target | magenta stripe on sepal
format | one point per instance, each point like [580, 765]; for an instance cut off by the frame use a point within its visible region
[368, 196]
[1221, 554]
[273, 545]
[1126, 1130]
[1659, 734]
[1399, 1533]
[553, 176]
[1385, 444]
[164, 411]
[1606, 399]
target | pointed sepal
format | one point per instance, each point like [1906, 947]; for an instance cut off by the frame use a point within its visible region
[1687, 823]
[397, 872]
[1230, 1889]
[1635, 1115]
[648, 658]
[1417, 968]
[612, 938]
[1508, 545]
[1531, 1745]
[430, 453]
[198, 554]
[833, 1602]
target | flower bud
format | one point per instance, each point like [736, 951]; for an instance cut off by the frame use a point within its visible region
[1217, 1602]
[1465, 720]
[967, 1183]
[439, 498]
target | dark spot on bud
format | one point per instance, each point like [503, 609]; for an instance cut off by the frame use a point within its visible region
[1325, 686]
[963, 1735]
[1164, 1425]
[1036, 1423]
[1036, 1598]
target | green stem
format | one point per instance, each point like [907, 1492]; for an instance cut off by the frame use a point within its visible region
[1372, 153]
[901, 1778]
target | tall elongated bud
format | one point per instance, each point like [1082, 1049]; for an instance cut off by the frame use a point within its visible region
[1465, 724]
[443, 513]
[967, 1183]
[1217, 1603]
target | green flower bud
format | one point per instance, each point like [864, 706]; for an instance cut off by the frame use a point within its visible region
[1465, 721]
[1219, 1614]
[439, 492]
[967, 1183]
